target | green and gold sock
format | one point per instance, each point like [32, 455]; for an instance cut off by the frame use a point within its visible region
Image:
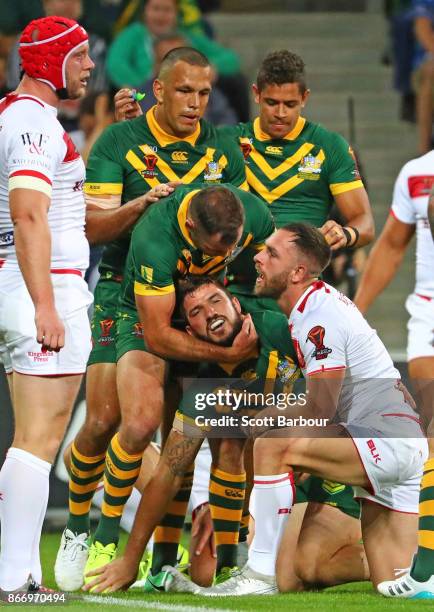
[423, 567]
[85, 474]
[226, 502]
[167, 535]
[244, 526]
[120, 474]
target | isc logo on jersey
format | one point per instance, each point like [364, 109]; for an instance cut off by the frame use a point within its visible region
[274, 150]
[180, 157]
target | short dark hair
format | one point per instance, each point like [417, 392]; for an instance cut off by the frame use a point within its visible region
[311, 243]
[192, 283]
[190, 56]
[280, 67]
[217, 210]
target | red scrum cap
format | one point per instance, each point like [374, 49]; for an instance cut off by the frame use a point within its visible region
[45, 45]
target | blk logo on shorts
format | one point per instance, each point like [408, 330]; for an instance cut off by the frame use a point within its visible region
[374, 452]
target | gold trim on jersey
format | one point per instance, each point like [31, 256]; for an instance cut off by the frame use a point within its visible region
[337, 188]
[138, 165]
[103, 188]
[182, 216]
[146, 289]
[292, 135]
[280, 190]
[287, 164]
[162, 137]
[193, 173]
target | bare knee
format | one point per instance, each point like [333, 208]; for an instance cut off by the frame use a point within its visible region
[100, 428]
[270, 455]
[135, 435]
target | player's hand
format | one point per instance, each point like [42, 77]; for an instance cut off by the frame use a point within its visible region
[115, 576]
[408, 398]
[161, 191]
[50, 331]
[334, 235]
[202, 531]
[125, 106]
[245, 341]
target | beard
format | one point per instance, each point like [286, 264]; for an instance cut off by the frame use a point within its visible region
[236, 328]
[272, 287]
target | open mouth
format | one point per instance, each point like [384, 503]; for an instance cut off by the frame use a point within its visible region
[216, 324]
[259, 277]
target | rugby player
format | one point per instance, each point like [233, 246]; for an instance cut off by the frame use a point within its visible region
[415, 208]
[375, 443]
[299, 168]
[194, 230]
[171, 143]
[215, 317]
[45, 336]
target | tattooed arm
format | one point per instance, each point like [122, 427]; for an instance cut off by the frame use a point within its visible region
[178, 454]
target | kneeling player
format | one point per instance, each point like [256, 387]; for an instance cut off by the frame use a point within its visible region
[376, 445]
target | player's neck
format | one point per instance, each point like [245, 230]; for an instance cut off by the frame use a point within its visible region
[292, 294]
[40, 90]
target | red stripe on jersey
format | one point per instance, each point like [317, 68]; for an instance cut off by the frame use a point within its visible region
[419, 186]
[315, 287]
[424, 297]
[66, 271]
[31, 173]
[71, 151]
[323, 369]
[12, 97]
[403, 415]
[295, 342]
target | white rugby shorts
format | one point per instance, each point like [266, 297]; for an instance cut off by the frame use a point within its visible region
[420, 326]
[19, 350]
[393, 465]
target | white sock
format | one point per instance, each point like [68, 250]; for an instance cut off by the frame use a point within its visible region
[270, 505]
[24, 497]
[130, 509]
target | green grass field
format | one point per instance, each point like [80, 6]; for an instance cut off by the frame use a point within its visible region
[356, 596]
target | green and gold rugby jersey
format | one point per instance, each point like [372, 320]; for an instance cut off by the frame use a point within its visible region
[298, 175]
[272, 370]
[131, 157]
[162, 251]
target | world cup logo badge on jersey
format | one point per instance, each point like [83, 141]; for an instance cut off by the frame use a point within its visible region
[150, 163]
[316, 336]
[246, 149]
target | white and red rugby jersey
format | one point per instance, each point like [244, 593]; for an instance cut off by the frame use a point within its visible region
[37, 154]
[410, 205]
[330, 333]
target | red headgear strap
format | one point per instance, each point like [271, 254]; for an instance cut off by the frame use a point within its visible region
[46, 44]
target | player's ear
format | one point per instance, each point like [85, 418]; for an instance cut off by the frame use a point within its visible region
[189, 330]
[158, 88]
[255, 92]
[305, 98]
[189, 223]
[236, 304]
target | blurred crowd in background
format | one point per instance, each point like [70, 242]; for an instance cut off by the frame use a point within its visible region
[128, 39]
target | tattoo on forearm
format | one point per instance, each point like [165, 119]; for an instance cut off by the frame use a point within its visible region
[181, 455]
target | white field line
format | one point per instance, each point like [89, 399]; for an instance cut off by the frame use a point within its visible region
[139, 603]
